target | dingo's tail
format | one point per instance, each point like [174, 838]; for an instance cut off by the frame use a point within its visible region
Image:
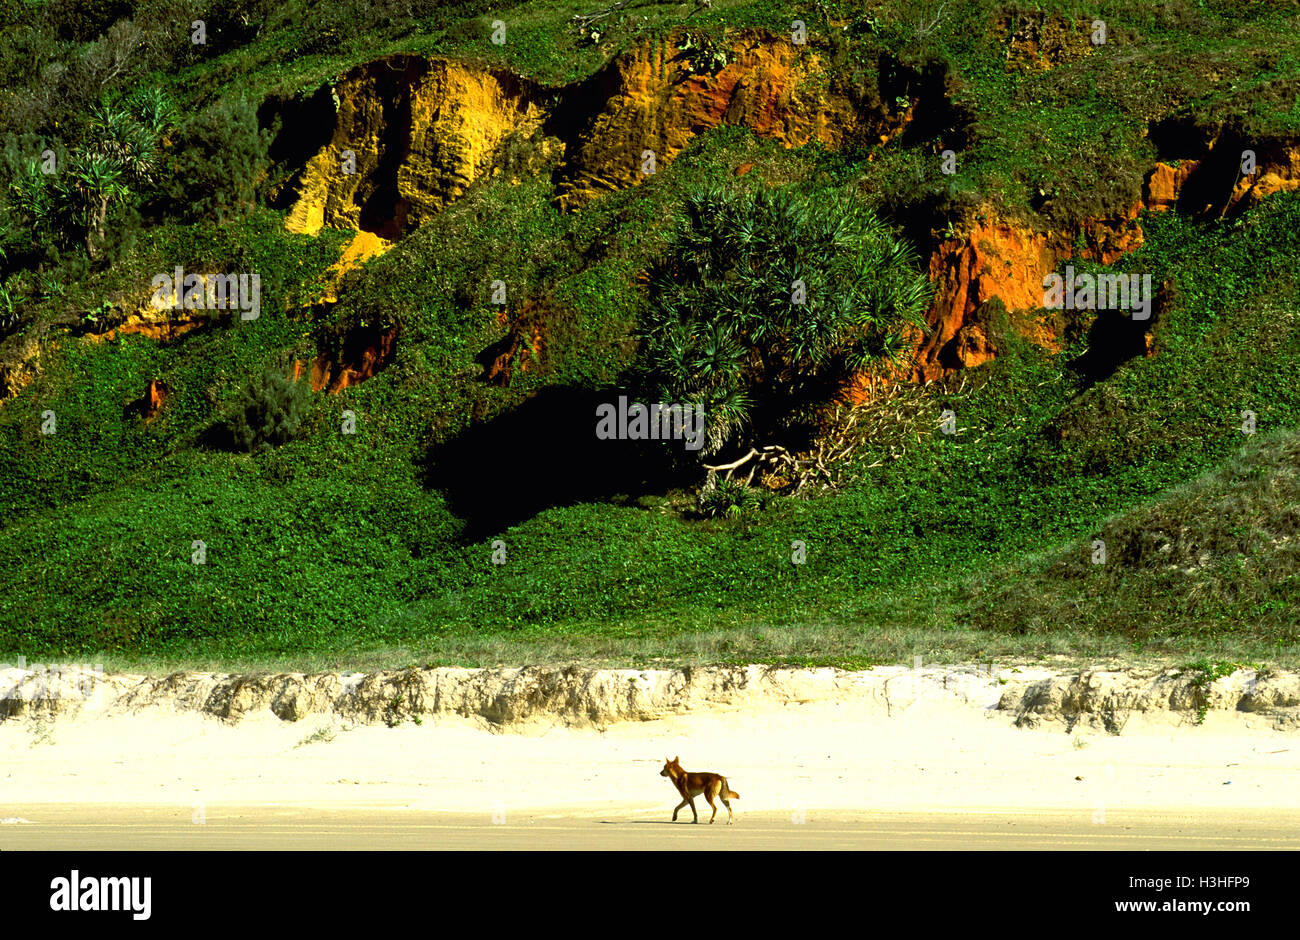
[733, 795]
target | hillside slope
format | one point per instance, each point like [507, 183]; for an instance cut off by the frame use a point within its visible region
[454, 241]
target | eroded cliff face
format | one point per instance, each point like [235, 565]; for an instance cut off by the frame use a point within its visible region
[363, 247]
[420, 131]
[1037, 41]
[1218, 169]
[996, 259]
[407, 135]
[164, 318]
[21, 365]
[352, 356]
[524, 346]
[1164, 184]
[1200, 188]
[20, 360]
[506, 699]
[1007, 261]
[1278, 172]
[161, 325]
[410, 134]
[655, 99]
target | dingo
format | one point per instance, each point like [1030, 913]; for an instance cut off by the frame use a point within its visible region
[692, 785]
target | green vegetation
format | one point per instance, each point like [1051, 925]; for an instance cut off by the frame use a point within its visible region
[65, 196]
[1214, 558]
[765, 303]
[1203, 675]
[269, 413]
[221, 155]
[329, 549]
[727, 498]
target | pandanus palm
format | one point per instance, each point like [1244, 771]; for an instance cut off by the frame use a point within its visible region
[154, 111]
[763, 301]
[118, 135]
[96, 182]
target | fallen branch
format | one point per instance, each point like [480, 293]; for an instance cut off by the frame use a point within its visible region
[734, 464]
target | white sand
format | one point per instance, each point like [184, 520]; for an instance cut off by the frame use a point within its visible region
[789, 759]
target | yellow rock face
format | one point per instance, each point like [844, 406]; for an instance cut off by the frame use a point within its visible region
[1217, 184]
[655, 101]
[17, 373]
[362, 247]
[1006, 260]
[1164, 184]
[418, 132]
[160, 321]
[1278, 171]
[414, 133]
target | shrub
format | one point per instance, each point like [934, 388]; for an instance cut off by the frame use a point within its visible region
[222, 154]
[727, 498]
[85, 20]
[270, 412]
[766, 303]
[10, 304]
[111, 164]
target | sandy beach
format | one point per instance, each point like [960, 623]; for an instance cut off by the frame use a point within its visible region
[953, 772]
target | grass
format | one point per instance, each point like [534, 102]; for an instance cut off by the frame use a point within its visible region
[1213, 559]
[322, 548]
[828, 644]
[319, 736]
[335, 550]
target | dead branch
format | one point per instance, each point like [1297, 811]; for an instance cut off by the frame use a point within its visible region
[734, 464]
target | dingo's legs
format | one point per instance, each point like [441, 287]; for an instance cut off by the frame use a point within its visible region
[678, 808]
[709, 796]
[727, 804]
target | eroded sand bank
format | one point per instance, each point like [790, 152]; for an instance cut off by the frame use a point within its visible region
[798, 746]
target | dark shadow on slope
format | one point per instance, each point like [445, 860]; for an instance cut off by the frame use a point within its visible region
[936, 117]
[545, 453]
[306, 124]
[1114, 338]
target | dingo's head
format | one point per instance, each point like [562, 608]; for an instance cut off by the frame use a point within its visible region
[668, 767]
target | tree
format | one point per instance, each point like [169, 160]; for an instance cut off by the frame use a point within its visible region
[765, 303]
[31, 197]
[114, 158]
[132, 143]
[154, 110]
[94, 182]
